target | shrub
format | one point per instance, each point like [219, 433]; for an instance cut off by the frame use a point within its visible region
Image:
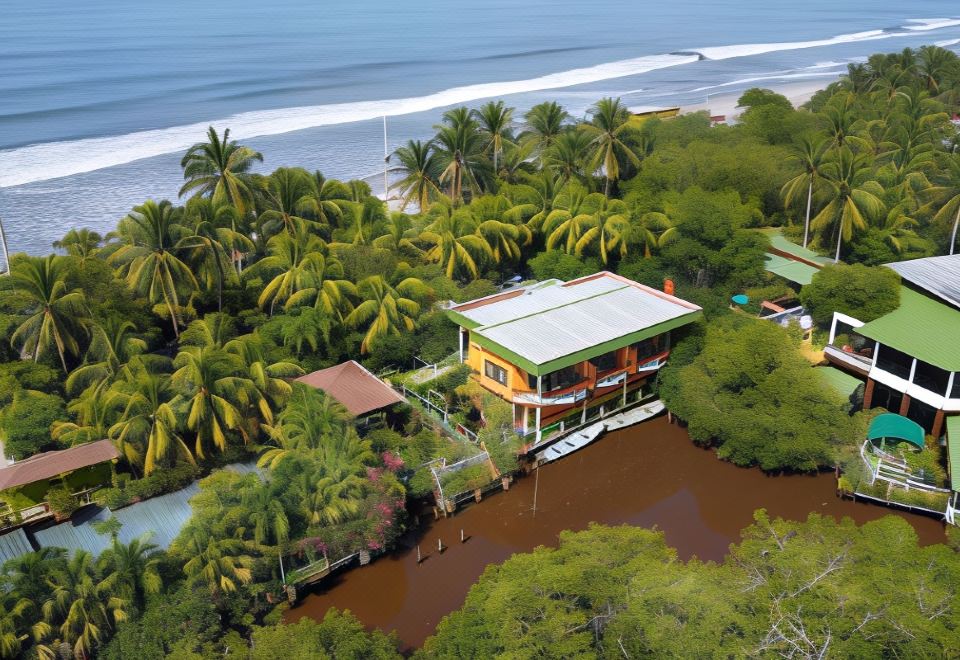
[61, 502]
[863, 292]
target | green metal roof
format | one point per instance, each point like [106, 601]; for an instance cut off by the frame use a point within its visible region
[921, 327]
[778, 242]
[794, 271]
[841, 381]
[953, 449]
[892, 425]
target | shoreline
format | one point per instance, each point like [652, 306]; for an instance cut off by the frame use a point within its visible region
[725, 103]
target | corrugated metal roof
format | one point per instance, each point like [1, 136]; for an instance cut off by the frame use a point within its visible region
[14, 544]
[584, 322]
[51, 463]
[794, 271]
[921, 327]
[938, 275]
[780, 243]
[357, 389]
[534, 300]
[163, 517]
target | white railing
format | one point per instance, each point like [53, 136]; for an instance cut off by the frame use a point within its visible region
[652, 365]
[573, 396]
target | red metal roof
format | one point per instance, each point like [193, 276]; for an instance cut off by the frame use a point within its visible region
[52, 463]
[357, 389]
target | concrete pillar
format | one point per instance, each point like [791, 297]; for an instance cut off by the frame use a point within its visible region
[460, 335]
[868, 394]
[538, 424]
[905, 405]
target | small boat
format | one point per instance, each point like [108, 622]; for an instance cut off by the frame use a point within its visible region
[635, 416]
[583, 437]
[571, 443]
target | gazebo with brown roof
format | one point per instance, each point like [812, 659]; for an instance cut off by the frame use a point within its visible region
[50, 464]
[358, 390]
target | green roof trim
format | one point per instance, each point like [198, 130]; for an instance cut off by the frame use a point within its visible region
[953, 449]
[892, 425]
[779, 242]
[842, 382]
[794, 271]
[462, 320]
[921, 327]
[586, 354]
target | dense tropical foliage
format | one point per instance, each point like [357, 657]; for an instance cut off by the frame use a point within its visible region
[177, 336]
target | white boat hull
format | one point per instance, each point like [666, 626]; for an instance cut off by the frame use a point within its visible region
[583, 437]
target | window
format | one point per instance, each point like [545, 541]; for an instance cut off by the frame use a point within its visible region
[648, 348]
[931, 377]
[495, 372]
[557, 380]
[894, 362]
[605, 362]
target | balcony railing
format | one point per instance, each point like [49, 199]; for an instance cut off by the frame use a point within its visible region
[556, 398]
[849, 358]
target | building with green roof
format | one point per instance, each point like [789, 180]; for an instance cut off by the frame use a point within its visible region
[911, 356]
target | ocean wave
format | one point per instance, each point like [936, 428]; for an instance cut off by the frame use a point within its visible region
[39, 162]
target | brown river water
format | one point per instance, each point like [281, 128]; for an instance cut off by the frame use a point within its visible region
[649, 475]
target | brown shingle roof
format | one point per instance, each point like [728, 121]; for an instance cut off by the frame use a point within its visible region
[357, 389]
[51, 463]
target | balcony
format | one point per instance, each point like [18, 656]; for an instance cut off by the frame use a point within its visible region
[561, 397]
[848, 358]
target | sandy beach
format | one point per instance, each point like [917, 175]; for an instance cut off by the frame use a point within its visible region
[726, 103]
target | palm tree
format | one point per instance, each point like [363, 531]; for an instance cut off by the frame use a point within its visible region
[113, 342]
[289, 191]
[271, 526]
[218, 564]
[544, 124]
[269, 379]
[147, 419]
[220, 169]
[936, 64]
[326, 200]
[386, 309]
[572, 216]
[398, 232]
[568, 155]
[452, 242]
[606, 229]
[840, 120]
[303, 274]
[14, 612]
[420, 167]
[130, 571]
[852, 197]
[810, 154]
[457, 146]
[653, 230]
[81, 243]
[57, 316]
[946, 194]
[610, 121]
[494, 119]
[82, 606]
[335, 496]
[207, 383]
[310, 418]
[94, 412]
[149, 261]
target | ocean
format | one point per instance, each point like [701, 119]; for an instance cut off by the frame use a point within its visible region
[99, 100]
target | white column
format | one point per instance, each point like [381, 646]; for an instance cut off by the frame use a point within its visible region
[950, 384]
[833, 329]
[913, 370]
[538, 424]
[460, 335]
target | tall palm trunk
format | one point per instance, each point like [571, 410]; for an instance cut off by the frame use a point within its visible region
[806, 225]
[836, 259]
[953, 234]
[3, 243]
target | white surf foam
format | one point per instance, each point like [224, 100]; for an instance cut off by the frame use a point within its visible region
[52, 160]
[57, 159]
[948, 42]
[925, 24]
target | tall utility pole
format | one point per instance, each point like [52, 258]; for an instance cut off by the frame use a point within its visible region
[386, 164]
[6, 255]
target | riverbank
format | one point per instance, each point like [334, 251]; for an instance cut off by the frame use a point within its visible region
[650, 475]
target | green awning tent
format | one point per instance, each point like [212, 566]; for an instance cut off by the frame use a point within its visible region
[891, 425]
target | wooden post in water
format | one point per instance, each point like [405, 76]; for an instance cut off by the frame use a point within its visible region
[536, 486]
[419, 558]
[462, 539]
[440, 547]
